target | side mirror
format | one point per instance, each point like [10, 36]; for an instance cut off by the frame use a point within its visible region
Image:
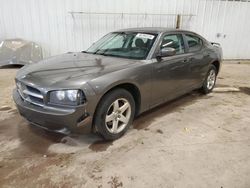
[165, 52]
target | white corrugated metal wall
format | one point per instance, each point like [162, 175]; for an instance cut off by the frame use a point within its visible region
[72, 25]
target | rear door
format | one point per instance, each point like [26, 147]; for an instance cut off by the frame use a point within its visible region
[198, 57]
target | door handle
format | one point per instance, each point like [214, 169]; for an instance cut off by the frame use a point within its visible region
[185, 60]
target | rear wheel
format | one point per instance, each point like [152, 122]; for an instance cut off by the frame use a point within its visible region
[115, 114]
[210, 80]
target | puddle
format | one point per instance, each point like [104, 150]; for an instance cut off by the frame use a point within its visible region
[100, 145]
[177, 105]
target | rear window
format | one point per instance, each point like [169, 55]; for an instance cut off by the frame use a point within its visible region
[194, 43]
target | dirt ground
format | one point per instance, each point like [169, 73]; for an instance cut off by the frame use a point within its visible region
[194, 141]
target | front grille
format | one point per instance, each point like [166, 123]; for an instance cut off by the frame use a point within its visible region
[30, 94]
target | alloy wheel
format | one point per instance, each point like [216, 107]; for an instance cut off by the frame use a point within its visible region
[211, 79]
[118, 116]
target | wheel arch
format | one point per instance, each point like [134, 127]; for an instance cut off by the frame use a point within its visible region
[217, 65]
[132, 88]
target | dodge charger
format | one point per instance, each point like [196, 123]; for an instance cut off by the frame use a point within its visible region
[120, 76]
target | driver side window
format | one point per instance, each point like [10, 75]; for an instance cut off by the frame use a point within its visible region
[173, 41]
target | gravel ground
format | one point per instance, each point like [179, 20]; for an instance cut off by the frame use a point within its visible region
[194, 141]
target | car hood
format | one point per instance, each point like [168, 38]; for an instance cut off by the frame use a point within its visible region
[71, 66]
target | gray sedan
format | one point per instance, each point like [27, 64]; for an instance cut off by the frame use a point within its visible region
[120, 76]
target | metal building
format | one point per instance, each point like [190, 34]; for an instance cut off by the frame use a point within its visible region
[72, 25]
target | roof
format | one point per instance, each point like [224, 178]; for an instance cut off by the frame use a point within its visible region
[149, 29]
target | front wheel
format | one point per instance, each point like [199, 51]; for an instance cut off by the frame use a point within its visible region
[210, 80]
[115, 114]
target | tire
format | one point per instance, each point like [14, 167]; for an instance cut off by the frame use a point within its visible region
[210, 80]
[114, 114]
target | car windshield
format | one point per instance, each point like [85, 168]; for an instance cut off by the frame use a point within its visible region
[132, 45]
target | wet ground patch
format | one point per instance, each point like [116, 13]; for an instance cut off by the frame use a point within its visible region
[26, 151]
[32, 140]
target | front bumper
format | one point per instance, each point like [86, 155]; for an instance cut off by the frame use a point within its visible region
[67, 120]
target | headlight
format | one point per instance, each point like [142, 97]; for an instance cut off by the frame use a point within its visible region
[60, 95]
[67, 97]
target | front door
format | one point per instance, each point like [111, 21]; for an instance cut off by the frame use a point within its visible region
[170, 73]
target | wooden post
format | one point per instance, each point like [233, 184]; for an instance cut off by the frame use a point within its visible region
[178, 21]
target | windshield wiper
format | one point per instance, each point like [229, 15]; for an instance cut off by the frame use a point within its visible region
[86, 52]
[103, 53]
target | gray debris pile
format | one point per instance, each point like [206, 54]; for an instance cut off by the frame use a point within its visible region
[19, 52]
